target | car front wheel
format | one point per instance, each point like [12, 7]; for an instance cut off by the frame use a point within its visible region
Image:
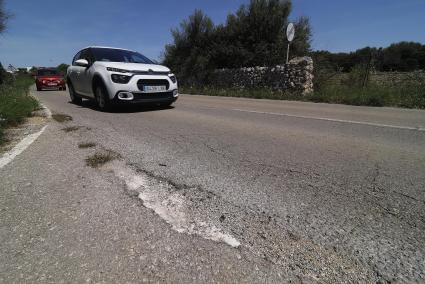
[102, 99]
[74, 97]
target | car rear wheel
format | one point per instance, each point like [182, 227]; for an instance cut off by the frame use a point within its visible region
[102, 99]
[74, 97]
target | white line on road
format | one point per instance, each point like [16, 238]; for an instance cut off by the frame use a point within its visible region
[334, 120]
[47, 111]
[170, 205]
[19, 148]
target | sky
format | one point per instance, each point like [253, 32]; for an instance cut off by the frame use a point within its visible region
[50, 32]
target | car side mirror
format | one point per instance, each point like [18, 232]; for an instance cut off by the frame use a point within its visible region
[82, 62]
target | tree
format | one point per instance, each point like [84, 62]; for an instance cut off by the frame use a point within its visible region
[189, 55]
[62, 68]
[2, 73]
[253, 36]
[4, 16]
[402, 57]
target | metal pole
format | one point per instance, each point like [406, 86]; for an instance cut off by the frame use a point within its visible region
[287, 53]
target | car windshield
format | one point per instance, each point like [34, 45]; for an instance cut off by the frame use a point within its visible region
[119, 55]
[48, 72]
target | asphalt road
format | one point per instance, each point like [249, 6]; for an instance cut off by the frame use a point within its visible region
[219, 190]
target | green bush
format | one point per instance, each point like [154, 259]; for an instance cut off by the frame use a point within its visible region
[252, 36]
[15, 103]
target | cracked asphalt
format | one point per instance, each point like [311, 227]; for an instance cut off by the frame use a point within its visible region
[309, 199]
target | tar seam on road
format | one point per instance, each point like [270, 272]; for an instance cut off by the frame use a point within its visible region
[19, 148]
[334, 120]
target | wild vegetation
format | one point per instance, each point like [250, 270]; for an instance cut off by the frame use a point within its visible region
[254, 36]
[401, 57]
[15, 102]
[4, 16]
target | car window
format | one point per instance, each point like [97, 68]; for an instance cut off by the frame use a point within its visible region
[87, 55]
[90, 56]
[76, 57]
[47, 72]
[119, 55]
[84, 55]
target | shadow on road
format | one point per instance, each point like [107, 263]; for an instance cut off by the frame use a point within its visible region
[124, 108]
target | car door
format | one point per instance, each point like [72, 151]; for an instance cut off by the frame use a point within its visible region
[76, 76]
[86, 74]
[72, 72]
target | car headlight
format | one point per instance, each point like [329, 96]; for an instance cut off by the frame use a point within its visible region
[120, 79]
[111, 69]
[173, 78]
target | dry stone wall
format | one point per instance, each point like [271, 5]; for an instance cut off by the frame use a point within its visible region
[297, 76]
[390, 79]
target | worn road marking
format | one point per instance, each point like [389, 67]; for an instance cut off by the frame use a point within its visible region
[334, 120]
[47, 111]
[19, 148]
[170, 205]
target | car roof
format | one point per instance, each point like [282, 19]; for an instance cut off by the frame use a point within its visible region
[105, 47]
[47, 68]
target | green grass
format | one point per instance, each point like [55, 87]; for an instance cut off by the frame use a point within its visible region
[15, 103]
[373, 95]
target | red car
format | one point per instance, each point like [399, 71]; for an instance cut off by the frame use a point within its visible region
[49, 79]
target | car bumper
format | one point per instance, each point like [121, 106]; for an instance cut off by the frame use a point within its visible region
[50, 87]
[135, 86]
[147, 98]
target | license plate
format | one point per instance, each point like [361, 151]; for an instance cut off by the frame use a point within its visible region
[153, 89]
[52, 84]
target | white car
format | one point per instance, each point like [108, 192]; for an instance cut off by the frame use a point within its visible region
[113, 75]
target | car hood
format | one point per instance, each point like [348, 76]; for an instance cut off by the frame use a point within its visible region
[135, 66]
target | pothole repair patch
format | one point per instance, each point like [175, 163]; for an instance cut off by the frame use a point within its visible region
[170, 204]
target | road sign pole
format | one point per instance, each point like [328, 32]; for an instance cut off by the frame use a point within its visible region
[290, 34]
[287, 53]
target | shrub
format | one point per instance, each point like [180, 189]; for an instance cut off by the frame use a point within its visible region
[15, 103]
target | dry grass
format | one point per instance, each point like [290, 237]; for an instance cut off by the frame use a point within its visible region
[86, 145]
[71, 129]
[61, 118]
[100, 158]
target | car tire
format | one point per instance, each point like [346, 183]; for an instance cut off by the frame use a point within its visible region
[38, 89]
[101, 97]
[75, 99]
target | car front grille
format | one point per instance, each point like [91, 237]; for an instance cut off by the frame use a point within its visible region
[149, 72]
[152, 82]
[152, 96]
